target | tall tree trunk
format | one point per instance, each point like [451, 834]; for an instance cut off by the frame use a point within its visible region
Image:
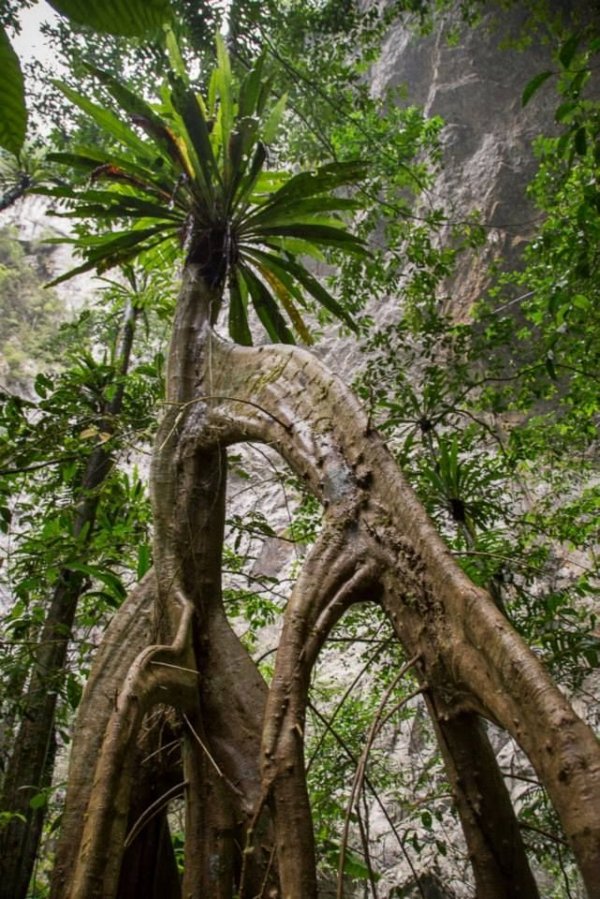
[200, 666]
[30, 766]
[491, 830]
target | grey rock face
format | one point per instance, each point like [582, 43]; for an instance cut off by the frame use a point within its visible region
[474, 81]
[470, 78]
[475, 84]
[32, 220]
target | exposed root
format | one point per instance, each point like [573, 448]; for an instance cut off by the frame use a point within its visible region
[335, 575]
[160, 674]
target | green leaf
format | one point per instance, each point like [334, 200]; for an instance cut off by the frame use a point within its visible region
[581, 302]
[107, 204]
[322, 180]
[579, 81]
[249, 180]
[297, 210]
[131, 103]
[564, 110]
[168, 141]
[321, 234]
[564, 142]
[224, 86]
[534, 85]
[285, 291]
[150, 178]
[266, 308]
[144, 560]
[99, 245]
[239, 330]
[185, 103]
[308, 282]
[114, 250]
[250, 88]
[42, 385]
[241, 142]
[131, 18]
[13, 120]
[293, 246]
[264, 93]
[106, 119]
[273, 122]
[568, 50]
[74, 160]
[40, 800]
[175, 57]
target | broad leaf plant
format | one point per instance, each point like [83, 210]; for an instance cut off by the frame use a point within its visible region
[194, 171]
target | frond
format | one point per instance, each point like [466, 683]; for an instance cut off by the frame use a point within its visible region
[194, 169]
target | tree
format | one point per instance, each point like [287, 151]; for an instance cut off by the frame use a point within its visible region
[449, 487]
[248, 825]
[86, 437]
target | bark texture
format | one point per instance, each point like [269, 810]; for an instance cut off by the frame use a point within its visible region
[248, 821]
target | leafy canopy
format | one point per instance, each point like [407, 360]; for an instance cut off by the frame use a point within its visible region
[194, 170]
[121, 17]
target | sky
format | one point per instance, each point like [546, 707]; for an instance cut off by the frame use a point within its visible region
[30, 44]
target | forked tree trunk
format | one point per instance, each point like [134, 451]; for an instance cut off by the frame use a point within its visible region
[243, 748]
[469, 655]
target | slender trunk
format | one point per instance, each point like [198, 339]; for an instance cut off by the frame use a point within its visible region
[15, 193]
[491, 830]
[30, 766]
[223, 740]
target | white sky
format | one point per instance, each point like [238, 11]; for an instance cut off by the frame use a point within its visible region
[30, 44]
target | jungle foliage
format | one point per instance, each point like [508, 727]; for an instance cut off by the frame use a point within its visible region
[492, 420]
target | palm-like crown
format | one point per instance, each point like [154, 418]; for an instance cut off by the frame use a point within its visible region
[195, 169]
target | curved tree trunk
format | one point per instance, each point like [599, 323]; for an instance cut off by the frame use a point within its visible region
[243, 750]
[129, 633]
[468, 653]
[199, 667]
